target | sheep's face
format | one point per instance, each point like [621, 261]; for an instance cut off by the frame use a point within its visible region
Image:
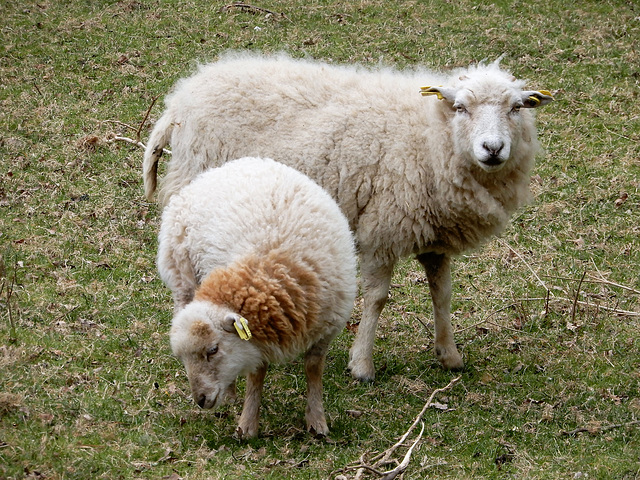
[204, 339]
[489, 117]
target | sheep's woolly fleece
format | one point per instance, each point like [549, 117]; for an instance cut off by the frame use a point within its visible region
[383, 152]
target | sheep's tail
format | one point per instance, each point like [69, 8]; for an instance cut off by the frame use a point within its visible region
[159, 138]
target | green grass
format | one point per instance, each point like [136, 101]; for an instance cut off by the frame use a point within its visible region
[88, 385]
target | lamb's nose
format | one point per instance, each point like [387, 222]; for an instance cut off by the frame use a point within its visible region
[493, 148]
[202, 400]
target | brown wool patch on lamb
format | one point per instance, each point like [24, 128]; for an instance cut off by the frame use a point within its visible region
[200, 329]
[277, 296]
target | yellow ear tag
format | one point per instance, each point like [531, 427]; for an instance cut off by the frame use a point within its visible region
[546, 92]
[424, 92]
[242, 327]
[535, 100]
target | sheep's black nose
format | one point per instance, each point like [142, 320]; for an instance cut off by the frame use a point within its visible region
[201, 400]
[493, 148]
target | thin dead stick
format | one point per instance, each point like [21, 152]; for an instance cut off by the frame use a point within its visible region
[592, 279]
[146, 116]
[251, 8]
[604, 281]
[117, 138]
[575, 300]
[619, 311]
[600, 429]
[546, 303]
[525, 262]
[391, 474]
[384, 457]
[621, 136]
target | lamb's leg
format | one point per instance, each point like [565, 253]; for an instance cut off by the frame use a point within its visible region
[375, 290]
[248, 423]
[438, 268]
[314, 368]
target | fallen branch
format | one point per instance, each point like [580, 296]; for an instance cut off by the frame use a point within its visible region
[605, 428]
[252, 9]
[602, 281]
[146, 116]
[376, 463]
[112, 137]
[574, 309]
[8, 281]
[617, 311]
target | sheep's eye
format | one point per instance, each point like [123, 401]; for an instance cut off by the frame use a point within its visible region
[516, 108]
[460, 108]
[211, 351]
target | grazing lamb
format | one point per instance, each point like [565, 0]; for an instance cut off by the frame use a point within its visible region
[262, 267]
[413, 176]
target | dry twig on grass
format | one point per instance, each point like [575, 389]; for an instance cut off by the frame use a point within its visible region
[604, 428]
[8, 281]
[375, 465]
[252, 9]
[112, 137]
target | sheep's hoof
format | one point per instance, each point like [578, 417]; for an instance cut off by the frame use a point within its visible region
[363, 371]
[450, 358]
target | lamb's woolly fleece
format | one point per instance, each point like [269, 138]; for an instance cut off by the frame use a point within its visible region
[277, 296]
[265, 242]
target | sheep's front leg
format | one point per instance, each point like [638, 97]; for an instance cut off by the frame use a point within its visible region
[248, 423]
[438, 268]
[375, 290]
[314, 368]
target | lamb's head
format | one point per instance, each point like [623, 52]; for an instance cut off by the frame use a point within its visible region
[205, 339]
[487, 108]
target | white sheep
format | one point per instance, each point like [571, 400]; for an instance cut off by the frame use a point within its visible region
[258, 242]
[414, 176]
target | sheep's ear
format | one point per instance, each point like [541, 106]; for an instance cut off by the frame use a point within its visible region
[443, 93]
[533, 99]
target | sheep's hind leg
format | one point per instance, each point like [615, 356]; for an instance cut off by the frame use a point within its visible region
[375, 288]
[438, 268]
[248, 423]
[314, 367]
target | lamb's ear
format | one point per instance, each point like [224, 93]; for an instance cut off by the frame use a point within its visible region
[234, 323]
[533, 99]
[443, 93]
[229, 321]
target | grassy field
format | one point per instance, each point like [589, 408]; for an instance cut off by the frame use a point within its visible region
[547, 315]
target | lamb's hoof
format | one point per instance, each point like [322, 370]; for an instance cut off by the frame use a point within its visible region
[245, 433]
[449, 358]
[363, 371]
[319, 430]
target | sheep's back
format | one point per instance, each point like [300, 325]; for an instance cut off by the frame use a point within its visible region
[252, 207]
[336, 124]
[382, 151]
